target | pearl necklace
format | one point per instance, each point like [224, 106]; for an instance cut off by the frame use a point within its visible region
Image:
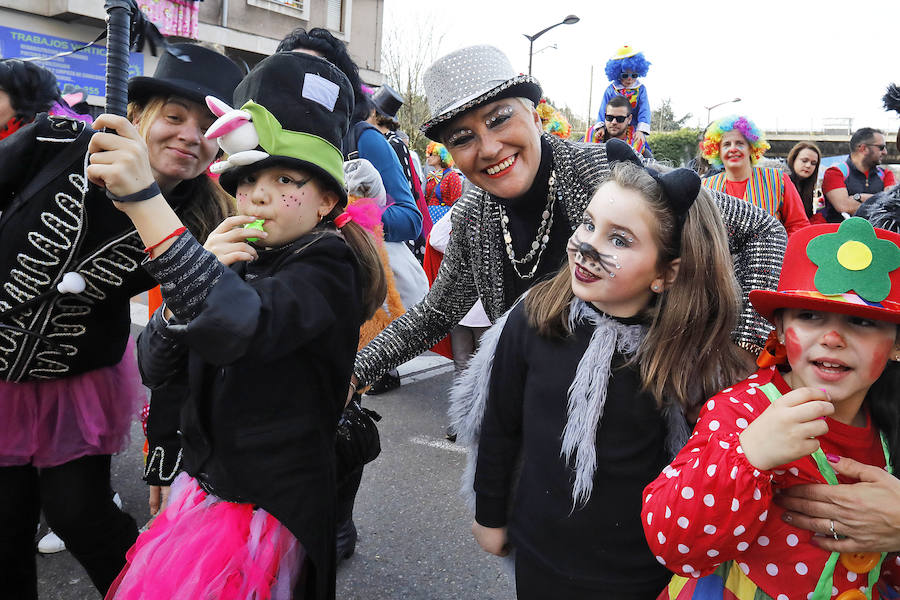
[540, 240]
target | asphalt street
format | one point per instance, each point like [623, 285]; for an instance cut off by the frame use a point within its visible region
[414, 531]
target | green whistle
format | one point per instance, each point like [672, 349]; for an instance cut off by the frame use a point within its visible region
[257, 224]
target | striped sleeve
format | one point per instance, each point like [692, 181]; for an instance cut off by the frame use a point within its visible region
[186, 273]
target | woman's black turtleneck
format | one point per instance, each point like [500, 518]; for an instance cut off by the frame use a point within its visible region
[524, 215]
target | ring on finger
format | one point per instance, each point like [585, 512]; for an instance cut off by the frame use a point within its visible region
[834, 533]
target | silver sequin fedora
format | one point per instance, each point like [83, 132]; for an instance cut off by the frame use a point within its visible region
[468, 78]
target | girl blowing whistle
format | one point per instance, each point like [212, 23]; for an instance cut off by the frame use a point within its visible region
[585, 381]
[269, 341]
[710, 515]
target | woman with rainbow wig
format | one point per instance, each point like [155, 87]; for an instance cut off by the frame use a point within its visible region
[443, 185]
[623, 71]
[737, 144]
[553, 121]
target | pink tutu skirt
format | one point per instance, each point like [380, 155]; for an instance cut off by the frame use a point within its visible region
[202, 547]
[48, 423]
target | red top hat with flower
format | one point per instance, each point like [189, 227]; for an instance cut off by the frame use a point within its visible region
[850, 269]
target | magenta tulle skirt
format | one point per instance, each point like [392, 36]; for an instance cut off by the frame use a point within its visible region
[48, 423]
[202, 547]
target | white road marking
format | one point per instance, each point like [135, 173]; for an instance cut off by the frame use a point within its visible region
[438, 443]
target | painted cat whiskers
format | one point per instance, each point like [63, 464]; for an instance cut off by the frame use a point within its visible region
[583, 250]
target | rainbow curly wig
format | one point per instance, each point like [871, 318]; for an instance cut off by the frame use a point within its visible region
[709, 147]
[440, 150]
[554, 122]
[626, 61]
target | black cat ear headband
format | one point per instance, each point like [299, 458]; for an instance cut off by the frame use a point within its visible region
[680, 186]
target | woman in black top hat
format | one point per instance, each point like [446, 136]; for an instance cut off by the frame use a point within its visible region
[70, 263]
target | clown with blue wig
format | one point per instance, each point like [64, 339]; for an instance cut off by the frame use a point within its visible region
[624, 71]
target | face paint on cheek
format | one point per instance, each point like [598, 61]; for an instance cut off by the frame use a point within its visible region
[879, 359]
[792, 344]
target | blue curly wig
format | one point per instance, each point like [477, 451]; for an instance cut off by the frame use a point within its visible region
[633, 64]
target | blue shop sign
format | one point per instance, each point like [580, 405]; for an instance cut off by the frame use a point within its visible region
[84, 69]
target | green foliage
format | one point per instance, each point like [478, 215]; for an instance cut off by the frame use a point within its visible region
[663, 118]
[676, 147]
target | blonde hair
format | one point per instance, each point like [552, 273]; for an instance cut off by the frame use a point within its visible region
[208, 204]
[687, 354]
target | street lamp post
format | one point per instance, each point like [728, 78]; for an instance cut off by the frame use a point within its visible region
[570, 20]
[709, 108]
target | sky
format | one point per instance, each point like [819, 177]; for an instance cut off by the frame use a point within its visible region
[795, 64]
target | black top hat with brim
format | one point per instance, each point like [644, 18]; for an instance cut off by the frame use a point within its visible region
[387, 101]
[204, 73]
[468, 78]
[300, 106]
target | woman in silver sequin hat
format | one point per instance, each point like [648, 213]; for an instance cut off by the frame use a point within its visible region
[528, 191]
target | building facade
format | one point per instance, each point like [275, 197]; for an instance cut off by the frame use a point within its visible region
[245, 30]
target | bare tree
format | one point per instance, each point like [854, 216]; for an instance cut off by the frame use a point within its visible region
[407, 51]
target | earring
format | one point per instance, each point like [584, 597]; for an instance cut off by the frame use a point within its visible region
[655, 287]
[774, 352]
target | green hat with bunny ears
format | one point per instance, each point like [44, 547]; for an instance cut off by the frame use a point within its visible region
[294, 110]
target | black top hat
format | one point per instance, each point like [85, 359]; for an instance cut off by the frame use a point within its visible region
[205, 73]
[387, 101]
[300, 106]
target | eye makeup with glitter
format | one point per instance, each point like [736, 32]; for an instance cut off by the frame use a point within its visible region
[499, 116]
[623, 238]
[459, 137]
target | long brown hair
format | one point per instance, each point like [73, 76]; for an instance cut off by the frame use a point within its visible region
[208, 204]
[363, 247]
[687, 354]
[807, 186]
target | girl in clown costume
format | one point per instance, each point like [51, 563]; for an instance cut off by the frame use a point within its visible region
[624, 69]
[443, 185]
[826, 389]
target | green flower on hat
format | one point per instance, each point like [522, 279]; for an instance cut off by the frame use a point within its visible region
[853, 258]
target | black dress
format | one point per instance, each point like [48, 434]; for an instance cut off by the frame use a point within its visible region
[596, 550]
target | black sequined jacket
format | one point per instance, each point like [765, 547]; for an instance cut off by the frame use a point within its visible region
[473, 263]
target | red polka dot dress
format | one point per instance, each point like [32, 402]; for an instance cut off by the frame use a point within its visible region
[710, 505]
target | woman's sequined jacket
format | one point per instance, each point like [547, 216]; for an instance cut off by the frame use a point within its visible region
[473, 264]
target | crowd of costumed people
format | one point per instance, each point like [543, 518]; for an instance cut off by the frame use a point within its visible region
[670, 383]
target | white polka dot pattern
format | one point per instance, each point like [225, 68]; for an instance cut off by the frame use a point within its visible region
[731, 520]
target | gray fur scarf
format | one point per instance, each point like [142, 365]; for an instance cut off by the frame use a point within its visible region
[586, 399]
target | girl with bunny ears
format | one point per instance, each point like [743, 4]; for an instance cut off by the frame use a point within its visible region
[266, 324]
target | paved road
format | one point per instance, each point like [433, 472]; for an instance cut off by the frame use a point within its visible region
[414, 540]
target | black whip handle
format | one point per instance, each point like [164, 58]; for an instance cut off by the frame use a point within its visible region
[118, 43]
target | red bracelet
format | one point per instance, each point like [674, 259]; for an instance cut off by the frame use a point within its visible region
[175, 233]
